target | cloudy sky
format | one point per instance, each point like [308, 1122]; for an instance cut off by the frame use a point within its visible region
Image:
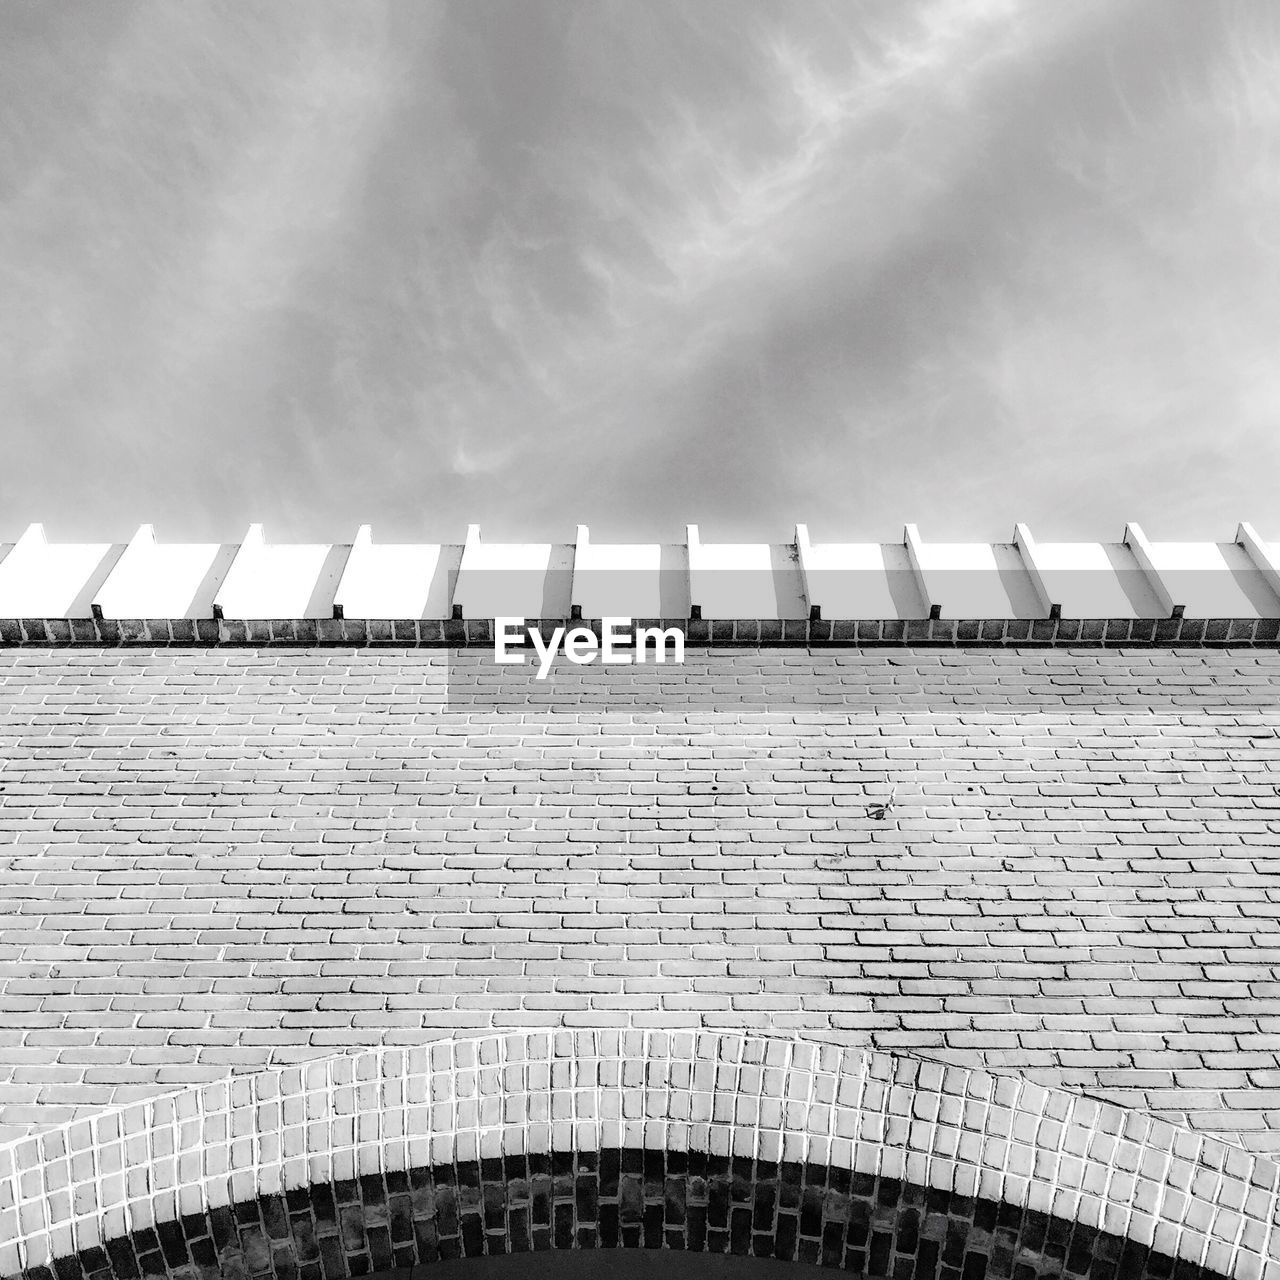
[531, 263]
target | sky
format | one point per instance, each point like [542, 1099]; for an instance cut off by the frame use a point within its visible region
[740, 263]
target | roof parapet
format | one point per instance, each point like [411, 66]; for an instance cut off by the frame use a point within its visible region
[43, 579]
[163, 580]
[1260, 556]
[280, 580]
[397, 580]
[513, 579]
[908, 581]
[1144, 554]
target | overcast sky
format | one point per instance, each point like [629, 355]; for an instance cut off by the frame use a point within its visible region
[531, 263]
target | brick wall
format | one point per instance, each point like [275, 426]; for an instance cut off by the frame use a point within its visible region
[218, 860]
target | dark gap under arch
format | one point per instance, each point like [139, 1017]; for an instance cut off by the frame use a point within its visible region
[604, 1264]
[620, 1199]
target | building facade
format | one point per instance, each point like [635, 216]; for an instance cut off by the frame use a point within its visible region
[939, 941]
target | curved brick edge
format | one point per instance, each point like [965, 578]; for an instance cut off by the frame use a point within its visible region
[957, 1130]
[764, 632]
[618, 1198]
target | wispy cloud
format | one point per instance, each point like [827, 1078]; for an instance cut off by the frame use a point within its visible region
[736, 262]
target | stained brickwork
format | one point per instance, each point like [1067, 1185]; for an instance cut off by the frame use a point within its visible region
[215, 860]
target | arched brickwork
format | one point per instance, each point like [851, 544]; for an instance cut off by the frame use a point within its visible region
[628, 1199]
[707, 1142]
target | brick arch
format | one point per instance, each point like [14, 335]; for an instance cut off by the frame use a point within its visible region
[713, 1142]
[390, 1223]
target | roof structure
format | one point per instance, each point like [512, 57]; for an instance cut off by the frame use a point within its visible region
[46, 587]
